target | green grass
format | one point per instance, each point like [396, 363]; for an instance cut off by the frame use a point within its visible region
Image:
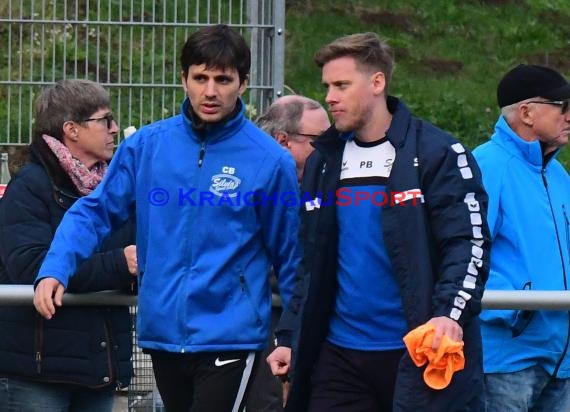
[122, 49]
[449, 55]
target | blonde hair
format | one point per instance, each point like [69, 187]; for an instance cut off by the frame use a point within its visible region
[370, 52]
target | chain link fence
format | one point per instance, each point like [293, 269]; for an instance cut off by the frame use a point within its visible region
[130, 47]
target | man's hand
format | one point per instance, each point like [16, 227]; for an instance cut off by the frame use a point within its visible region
[48, 292]
[280, 360]
[445, 326]
[131, 256]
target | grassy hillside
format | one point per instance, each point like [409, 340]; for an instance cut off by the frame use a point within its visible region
[450, 55]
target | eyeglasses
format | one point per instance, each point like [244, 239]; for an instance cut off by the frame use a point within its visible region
[563, 104]
[108, 118]
[310, 136]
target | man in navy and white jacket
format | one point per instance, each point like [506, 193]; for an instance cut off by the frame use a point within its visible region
[526, 359]
[214, 202]
[394, 237]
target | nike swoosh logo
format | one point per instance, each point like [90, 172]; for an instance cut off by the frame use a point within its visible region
[219, 362]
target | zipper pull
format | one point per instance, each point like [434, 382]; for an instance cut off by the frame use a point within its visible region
[202, 152]
[39, 362]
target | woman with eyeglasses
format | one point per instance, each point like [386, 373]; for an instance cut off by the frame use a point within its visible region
[75, 361]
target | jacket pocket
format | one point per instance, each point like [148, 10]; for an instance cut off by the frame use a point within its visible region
[246, 292]
[38, 342]
[567, 232]
[522, 317]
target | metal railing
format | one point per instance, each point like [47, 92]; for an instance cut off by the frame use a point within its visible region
[492, 299]
[142, 393]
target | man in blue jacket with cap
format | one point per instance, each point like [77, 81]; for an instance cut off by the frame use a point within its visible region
[526, 361]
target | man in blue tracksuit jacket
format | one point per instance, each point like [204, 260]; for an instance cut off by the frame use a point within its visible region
[214, 198]
[526, 360]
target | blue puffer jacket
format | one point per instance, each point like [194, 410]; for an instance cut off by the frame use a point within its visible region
[529, 212]
[86, 346]
[438, 246]
[212, 216]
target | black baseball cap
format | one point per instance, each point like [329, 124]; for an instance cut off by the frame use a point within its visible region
[526, 81]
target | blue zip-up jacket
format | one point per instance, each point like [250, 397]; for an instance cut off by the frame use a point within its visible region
[529, 206]
[438, 244]
[212, 217]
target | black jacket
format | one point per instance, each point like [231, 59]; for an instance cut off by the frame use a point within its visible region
[87, 346]
[437, 248]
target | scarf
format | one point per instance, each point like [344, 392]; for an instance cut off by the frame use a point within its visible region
[85, 180]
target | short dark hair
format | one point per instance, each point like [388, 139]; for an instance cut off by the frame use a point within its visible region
[217, 47]
[368, 50]
[66, 100]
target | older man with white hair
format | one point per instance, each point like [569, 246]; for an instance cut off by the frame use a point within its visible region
[525, 353]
